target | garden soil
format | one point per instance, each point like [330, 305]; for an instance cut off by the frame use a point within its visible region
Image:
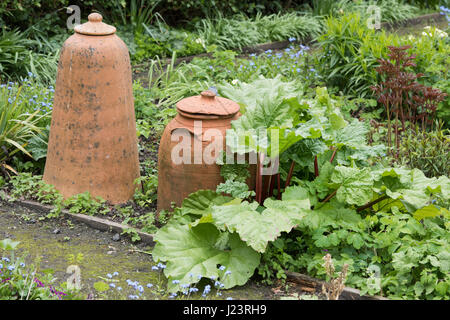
[50, 242]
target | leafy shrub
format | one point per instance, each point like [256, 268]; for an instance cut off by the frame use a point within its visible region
[13, 53]
[160, 40]
[86, 204]
[147, 195]
[17, 124]
[278, 27]
[148, 47]
[18, 57]
[390, 10]
[402, 95]
[241, 31]
[25, 110]
[427, 151]
[431, 51]
[135, 13]
[349, 53]
[181, 9]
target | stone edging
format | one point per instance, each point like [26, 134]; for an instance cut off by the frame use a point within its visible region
[413, 21]
[347, 294]
[91, 221]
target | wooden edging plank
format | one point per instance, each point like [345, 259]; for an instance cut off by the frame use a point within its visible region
[91, 221]
[413, 21]
[347, 294]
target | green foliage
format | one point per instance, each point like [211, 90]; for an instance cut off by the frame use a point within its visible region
[17, 125]
[354, 185]
[241, 31]
[204, 8]
[19, 281]
[132, 233]
[258, 228]
[205, 254]
[19, 56]
[385, 236]
[8, 244]
[390, 10]
[146, 195]
[136, 13]
[349, 49]
[150, 117]
[13, 52]
[235, 176]
[38, 144]
[26, 110]
[148, 47]
[86, 204]
[28, 186]
[162, 41]
[236, 189]
[427, 151]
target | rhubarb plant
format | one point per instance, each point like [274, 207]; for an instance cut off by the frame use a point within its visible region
[333, 199]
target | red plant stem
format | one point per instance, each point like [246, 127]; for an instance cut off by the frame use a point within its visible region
[259, 179]
[279, 186]
[291, 171]
[333, 155]
[271, 184]
[397, 142]
[316, 167]
[371, 203]
[330, 196]
[258, 191]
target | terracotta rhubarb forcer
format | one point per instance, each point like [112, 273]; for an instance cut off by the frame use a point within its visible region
[177, 180]
[92, 144]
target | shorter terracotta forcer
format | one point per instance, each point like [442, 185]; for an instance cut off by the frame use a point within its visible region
[93, 144]
[178, 180]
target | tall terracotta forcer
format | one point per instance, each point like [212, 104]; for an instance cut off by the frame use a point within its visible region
[93, 144]
[177, 180]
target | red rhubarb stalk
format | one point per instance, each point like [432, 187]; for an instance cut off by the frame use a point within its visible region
[291, 171]
[316, 167]
[333, 155]
[258, 192]
[279, 186]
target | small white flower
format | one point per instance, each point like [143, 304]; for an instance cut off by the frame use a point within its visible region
[200, 41]
[235, 82]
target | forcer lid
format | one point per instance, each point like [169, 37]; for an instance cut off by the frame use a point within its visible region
[95, 26]
[207, 103]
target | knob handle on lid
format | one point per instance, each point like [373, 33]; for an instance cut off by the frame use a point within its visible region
[95, 26]
[95, 17]
[208, 94]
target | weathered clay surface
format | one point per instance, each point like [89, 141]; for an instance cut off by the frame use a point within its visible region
[92, 144]
[177, 181]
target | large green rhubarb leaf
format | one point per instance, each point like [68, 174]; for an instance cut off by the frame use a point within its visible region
[256, 228]
[410, 186]
[332, 213]
[354, 185]
[200, 202]
[193, 253]
[267, 103]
